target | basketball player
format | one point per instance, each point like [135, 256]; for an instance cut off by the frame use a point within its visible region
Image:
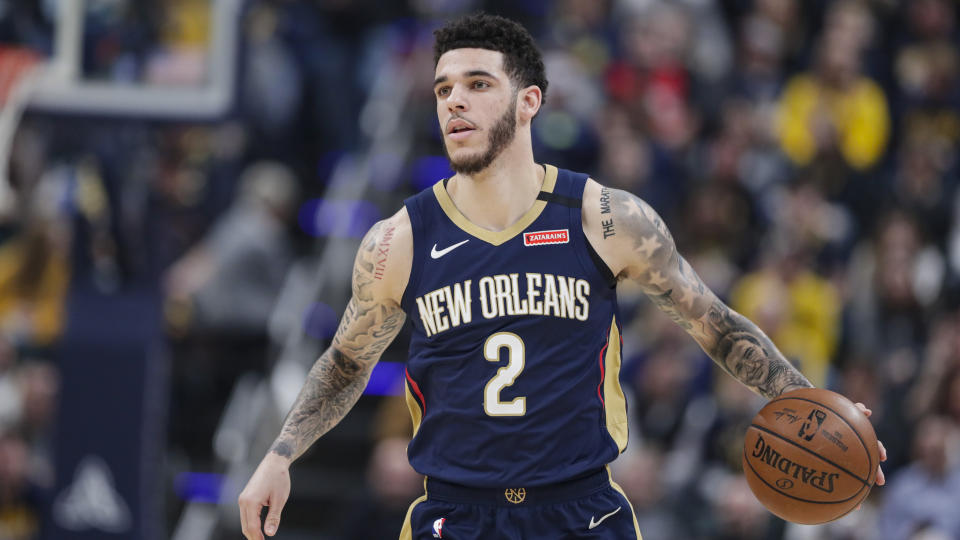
[507, 271]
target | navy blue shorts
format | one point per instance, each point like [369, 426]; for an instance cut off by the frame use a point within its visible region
[590, 507]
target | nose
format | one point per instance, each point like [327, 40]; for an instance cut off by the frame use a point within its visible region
[457, 99]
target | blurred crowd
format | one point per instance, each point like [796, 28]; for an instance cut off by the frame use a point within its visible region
[804, 154]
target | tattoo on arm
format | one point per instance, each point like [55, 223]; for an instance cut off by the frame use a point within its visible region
[745, 352]
[337, 379]
[332, 388]
[667, 305]
[383, 249]
[731, 340]
[657, 266]
[282, 448]
[606, 220]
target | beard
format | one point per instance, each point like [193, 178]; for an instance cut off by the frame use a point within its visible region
[501, 134]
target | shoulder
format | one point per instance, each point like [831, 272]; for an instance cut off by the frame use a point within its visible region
[617, 222]
[426, 193]
[600, 225]
[396, 227]
[385, 257]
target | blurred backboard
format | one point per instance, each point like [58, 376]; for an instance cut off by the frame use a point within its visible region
[191, 75]
[188, 74]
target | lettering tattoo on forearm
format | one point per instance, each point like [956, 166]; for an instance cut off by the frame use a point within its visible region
[337, 379]
[735, 343]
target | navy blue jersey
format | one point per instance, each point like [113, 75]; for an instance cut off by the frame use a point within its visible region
[512, 377]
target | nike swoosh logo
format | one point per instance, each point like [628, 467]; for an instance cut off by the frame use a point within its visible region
[437, 254]
[594, 524]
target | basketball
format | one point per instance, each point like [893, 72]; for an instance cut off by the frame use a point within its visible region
[810, 456]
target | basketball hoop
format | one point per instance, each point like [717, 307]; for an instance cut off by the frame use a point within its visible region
[15, 63]
[18, 75]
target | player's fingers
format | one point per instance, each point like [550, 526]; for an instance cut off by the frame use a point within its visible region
[881, 478]
[250, 518]
[250, 526]
[273, 515]
[863, 408]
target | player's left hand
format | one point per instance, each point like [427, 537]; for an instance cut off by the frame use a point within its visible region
[881, 480]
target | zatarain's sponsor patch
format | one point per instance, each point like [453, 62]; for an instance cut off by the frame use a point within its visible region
[540, 238]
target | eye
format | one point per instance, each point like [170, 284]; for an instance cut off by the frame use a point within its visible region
[480, 84]
[443, 90]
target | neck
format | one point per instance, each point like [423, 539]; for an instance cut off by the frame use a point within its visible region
[496, 197]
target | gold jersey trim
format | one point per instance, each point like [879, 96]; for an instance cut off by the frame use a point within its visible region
[616, 486]
[495, 237]
[615, 404]
[406, 533]
[415, 413]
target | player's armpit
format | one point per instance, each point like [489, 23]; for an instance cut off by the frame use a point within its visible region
[648, 255]
[372, 319]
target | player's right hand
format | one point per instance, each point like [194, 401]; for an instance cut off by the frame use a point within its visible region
[269, 486]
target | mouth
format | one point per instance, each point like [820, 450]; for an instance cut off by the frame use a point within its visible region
[460, 135]
[459, 128]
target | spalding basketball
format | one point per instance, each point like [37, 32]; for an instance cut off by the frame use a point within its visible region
[810, 456]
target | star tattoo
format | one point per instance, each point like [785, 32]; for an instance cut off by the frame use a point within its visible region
[649, 245]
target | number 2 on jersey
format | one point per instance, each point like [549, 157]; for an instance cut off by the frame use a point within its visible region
[505, 376]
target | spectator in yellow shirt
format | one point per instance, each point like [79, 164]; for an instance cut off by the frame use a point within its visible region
[834, 108]
[797, 308]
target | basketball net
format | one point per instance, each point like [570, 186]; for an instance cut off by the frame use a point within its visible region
[19, 74]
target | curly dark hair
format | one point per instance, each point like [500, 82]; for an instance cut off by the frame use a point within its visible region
[521, 59]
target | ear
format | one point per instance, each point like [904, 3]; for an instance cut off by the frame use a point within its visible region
[528, 103]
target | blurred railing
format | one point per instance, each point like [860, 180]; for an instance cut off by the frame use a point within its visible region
[254, 414]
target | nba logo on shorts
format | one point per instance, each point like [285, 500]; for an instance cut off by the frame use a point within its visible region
[438, 528]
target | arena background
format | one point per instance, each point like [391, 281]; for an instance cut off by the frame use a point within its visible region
[185, 183]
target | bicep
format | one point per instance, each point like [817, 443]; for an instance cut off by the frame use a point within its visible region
[373, 317]
[677, 290]
[734, 342]
[367, 328]
[652, 261]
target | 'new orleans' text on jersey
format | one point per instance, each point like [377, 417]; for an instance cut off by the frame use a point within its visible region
[501, 296]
